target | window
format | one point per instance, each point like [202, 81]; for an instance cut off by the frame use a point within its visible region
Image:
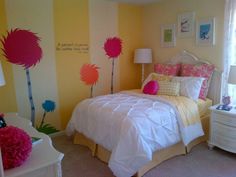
[229, 48]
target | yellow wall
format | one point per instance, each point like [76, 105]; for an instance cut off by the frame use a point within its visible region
[131, 32]
[7, 92]
[71, 25]
[103, 24]
[28, 14]
[74, 22]
[166, 12]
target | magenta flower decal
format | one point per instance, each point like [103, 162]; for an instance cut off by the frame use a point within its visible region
[113, 48]
[89, 75]
[21, 47]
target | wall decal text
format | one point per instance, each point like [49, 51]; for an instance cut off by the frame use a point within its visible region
[72, 47]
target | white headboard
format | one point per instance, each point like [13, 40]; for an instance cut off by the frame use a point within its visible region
[214, 92]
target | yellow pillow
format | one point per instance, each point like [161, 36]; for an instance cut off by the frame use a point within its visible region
[168, 88]
[159, 77]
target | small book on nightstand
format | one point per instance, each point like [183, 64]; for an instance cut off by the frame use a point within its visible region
[224, 107]
[36, 140]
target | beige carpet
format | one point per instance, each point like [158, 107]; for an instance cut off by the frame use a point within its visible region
[201, 162]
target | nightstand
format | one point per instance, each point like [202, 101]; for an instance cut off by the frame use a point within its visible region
[223, 129]
[44, 160]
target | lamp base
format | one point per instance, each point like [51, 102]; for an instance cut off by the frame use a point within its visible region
[142, 72]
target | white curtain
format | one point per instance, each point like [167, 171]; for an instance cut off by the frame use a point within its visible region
[229, 47]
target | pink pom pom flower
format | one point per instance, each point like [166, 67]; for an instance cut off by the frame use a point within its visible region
[15, 146]
[151, 88]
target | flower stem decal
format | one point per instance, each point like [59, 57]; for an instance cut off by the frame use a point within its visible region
[48, 106]
[89, 75]
[21, 47]
[113, 48]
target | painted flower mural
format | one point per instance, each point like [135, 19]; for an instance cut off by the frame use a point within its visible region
[113, 48]
[21, 47]
[89, 75]
[48, 106]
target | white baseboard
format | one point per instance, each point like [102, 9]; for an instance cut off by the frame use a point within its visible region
[60, 133]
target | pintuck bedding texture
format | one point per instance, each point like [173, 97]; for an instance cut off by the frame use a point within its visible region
[133, 125]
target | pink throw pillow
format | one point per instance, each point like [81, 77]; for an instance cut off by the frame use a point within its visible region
[167, 69]
[203, 70]
[151, 88]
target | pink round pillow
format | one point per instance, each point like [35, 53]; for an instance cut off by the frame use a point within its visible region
[151, 88]
[15, 146]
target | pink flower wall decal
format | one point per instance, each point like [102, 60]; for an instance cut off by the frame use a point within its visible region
[21, 47]
[89, 75]
[113, 48]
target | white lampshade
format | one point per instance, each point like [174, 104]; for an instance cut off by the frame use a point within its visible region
[2, 80]
[232, 75]
[143, 56]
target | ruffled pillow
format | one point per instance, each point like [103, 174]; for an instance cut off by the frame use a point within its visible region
[202, 70]
[167, 69]
[151, 88]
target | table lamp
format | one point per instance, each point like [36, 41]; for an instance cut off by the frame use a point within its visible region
[143, 56]
[2, 80]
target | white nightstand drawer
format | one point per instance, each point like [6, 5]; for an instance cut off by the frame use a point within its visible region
[224, 131]
[224, 143]
[224, 119]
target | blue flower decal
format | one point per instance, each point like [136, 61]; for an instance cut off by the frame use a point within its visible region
[49, 106]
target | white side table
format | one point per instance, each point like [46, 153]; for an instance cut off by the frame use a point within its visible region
[44, 161]
[223, 129]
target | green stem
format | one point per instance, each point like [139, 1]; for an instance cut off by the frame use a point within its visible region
[42, 121]
[91, 92]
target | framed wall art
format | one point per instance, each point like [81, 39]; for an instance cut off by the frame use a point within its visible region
[205, 32]
[186, 24]
[168, 35]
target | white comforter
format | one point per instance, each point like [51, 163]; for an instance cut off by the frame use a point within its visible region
[130, 126]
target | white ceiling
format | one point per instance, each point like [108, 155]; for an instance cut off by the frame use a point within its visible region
[137, 1]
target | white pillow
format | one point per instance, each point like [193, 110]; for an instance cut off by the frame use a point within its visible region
[189, 86]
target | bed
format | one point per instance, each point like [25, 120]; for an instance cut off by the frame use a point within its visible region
[115, 141]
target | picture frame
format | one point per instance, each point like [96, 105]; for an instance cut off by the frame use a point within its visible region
[186, 23]
[205, 32]
[168, 38]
